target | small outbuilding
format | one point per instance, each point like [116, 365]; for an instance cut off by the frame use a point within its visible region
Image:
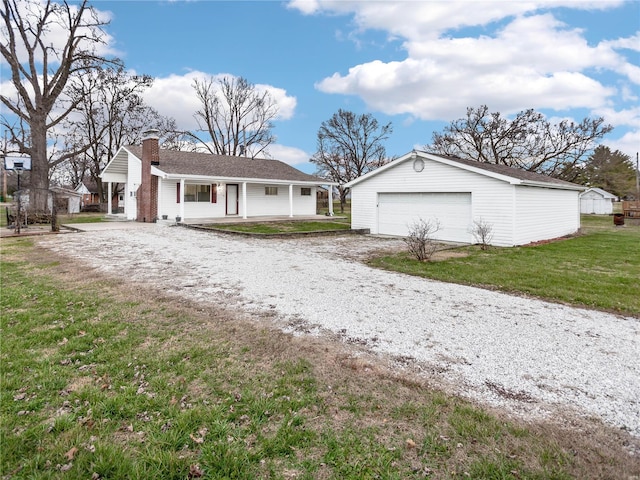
[520, 207]
[597, 201]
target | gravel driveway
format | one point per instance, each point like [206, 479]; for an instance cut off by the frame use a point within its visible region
[529, 356]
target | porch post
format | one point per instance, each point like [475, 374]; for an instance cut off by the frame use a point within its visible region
[330, 189]
[182, 199]
[244, 200]
[109, 194]
[291, 199]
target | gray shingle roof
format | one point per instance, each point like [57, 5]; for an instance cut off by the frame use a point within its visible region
[204, 164]
[516, 173]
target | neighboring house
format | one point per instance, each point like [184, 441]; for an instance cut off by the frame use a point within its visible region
[169, 184]
[89, 192]
[521, 207]
[596, 200]
[91, 197]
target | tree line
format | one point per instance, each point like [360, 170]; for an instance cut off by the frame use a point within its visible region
[72, 108]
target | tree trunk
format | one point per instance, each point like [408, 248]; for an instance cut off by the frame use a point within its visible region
[343, 198]
[39, 187]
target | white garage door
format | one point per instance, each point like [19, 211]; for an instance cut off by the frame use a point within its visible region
[398, 211]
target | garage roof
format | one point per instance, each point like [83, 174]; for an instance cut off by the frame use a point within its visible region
[501, 172]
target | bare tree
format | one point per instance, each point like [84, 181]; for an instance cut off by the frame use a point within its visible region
[236, 116]
[111, 114]
[40, 72]
[529, 141]
[482, 231]
[348, 146]
[420, 241]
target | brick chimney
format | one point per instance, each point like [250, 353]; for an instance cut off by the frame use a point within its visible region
[147, 196]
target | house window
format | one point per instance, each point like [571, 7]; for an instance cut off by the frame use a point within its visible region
[271, 190]
[305, 192]
[197, 193]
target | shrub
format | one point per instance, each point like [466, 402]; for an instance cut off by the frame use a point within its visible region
[482, 231]
[420, 240]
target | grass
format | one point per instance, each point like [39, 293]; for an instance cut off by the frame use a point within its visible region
[283, 227]
[100, 381]
[62, 218]
[337, 211]
[81, 218]
[597, 269]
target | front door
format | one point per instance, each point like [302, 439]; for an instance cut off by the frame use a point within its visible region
[232, 199]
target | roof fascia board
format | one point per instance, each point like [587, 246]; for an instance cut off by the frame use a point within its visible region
[557, 186]
[498, 176]
[176, 176]
[435, 158]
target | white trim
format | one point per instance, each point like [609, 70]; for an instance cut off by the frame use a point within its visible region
[599, 191]
[462, 166]
[109, 194]
[291, 199]
[215, 179]
[182, 185]
[244, 200]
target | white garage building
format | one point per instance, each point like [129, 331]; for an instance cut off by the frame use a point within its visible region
[598, 201]
[521, 207]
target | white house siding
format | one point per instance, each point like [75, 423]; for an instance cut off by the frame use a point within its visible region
[167, 204]
[304, 205]
[259, 204]
[544, 213]
[491, 199]
[134, 178]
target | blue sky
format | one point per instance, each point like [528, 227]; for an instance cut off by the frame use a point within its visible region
[415, 64]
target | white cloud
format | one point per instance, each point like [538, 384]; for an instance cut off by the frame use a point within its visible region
[631, 43]
[531, 61]
[629, 117]
[627, 120]
[290, 155]
[419, 20]
[175, 97]
[307, 7]
[627, 144]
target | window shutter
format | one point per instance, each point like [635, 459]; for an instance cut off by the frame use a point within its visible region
[178, 192]
[214, 193]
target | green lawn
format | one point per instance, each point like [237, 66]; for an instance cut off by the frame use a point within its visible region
[336, 210]
[598, 269]
[81, 218]
[283, 227]
[103, 381]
